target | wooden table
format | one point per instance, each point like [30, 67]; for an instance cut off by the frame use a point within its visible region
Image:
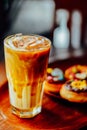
[57, 114]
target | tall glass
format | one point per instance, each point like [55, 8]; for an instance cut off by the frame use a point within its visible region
[26, 59]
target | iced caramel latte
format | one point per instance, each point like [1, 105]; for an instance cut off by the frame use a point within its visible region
[26, 59]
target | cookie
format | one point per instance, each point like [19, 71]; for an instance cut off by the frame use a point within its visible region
[54, 79]
[76, 72]
[74, 91]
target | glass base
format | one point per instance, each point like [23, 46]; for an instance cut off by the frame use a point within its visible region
[26, 113]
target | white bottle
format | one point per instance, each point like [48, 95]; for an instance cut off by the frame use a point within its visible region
[61, 36]
[76, 22]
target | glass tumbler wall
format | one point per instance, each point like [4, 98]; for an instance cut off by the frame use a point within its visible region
[26, 59]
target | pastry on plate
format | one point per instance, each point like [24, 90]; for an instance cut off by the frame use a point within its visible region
[74, 91]
[76, 72]
[54, 79]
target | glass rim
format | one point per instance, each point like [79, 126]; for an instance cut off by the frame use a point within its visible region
[20, 34]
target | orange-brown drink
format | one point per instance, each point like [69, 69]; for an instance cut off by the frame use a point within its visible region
[26, 59]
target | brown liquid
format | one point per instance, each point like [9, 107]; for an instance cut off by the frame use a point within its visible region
[26, 71]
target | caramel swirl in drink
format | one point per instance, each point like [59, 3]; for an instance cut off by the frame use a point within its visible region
[26, 58]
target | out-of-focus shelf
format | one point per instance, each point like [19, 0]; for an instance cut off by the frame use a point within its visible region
[63, 54]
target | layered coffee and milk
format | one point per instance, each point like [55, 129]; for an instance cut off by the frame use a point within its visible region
[26, 60]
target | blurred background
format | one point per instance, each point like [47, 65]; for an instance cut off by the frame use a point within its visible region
[64, 22]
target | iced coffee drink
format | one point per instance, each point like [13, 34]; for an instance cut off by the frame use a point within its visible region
[26, 59]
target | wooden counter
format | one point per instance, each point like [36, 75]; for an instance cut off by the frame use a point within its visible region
[57, 114]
